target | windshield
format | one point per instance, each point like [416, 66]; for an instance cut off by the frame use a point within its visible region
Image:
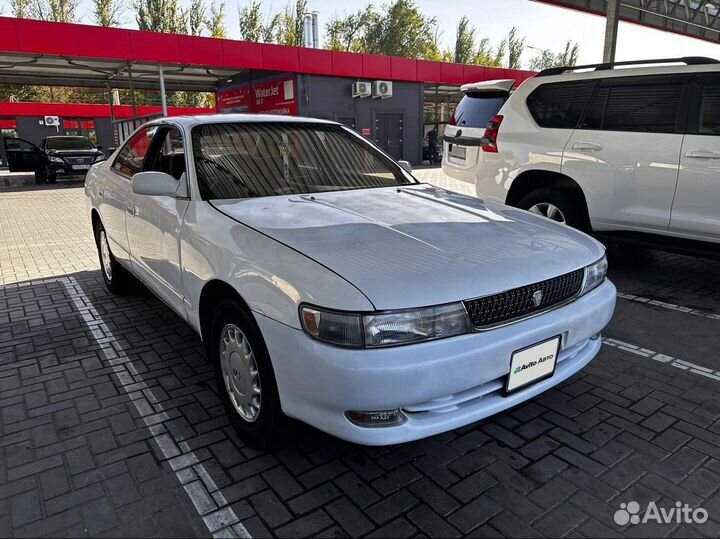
[246, 160]
[476, 109]
[68, 144]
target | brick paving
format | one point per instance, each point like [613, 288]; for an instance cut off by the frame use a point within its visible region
[110, 424]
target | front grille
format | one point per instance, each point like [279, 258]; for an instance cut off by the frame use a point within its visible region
[521, 302]
[80, 160]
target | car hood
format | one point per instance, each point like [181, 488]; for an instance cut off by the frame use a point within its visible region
[418, 245]
[74, 153]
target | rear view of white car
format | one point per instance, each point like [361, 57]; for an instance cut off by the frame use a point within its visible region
[625, 151]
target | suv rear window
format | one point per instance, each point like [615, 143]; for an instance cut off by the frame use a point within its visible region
[476, 108]
[559, 105]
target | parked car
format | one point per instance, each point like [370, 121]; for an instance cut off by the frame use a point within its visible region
[632, 153]
[328, 284]
[24, 156]
[56, 156]
[69, 156]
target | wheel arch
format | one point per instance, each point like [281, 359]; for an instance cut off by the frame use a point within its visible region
[213, 291]
[533, 180]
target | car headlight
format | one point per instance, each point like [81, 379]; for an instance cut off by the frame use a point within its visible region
[56, 159]
[99, 158]
[388, 328]
[594, 275]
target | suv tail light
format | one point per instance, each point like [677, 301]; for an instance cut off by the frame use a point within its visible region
[489, 139]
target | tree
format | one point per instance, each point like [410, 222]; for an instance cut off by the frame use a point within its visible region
[160, 16]
[194, 17]
[251, 22]
[464, 42]
[485, 54]
[54, 10]
[106, 12]
[546, 58]
[344, 34]
[288, 26]
[401, 30]
[21, 9]
[515, 47]
[216, 20]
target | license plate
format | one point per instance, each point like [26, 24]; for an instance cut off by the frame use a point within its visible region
[532, 364]
[81, 167]
[458, 152]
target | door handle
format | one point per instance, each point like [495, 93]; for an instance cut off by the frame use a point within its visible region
[702, 154]
[130, 210]
[587, 146]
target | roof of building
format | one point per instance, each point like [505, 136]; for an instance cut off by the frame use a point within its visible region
[35, 52]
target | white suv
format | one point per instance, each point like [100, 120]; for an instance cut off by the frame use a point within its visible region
[632, 152]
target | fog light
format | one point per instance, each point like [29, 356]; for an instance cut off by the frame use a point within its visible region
[379, 418]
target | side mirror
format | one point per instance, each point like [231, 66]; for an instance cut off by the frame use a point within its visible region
[154, 183]
[405, 165]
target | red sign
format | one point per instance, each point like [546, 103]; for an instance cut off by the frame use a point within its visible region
[6, 123]
[71, 124]
[365, 132]
[275, 96]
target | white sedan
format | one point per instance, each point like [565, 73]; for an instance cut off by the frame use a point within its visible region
[329, 285]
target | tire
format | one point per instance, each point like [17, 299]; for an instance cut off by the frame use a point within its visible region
[51, 177]
[253, 404]
[557, 205]
[117, 279]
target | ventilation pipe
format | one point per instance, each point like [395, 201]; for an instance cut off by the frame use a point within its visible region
[315, 30]
[308, 30]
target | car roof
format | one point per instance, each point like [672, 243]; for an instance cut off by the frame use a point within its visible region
[203, 119]
[619, 72]
[67, 136]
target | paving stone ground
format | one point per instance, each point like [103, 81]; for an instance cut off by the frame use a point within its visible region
[110, 424]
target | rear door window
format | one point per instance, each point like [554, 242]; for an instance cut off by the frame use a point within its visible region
[641, 104]
[476, 108]
[560, 105]
[710, 109]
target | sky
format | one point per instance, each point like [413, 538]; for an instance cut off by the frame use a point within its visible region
[544, 26]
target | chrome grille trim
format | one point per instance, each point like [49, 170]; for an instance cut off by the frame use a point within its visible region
[517, 304]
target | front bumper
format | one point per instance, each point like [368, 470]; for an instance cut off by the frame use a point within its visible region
[65, 169]
[440, 385]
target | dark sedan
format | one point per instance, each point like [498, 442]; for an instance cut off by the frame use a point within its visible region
[69, 156]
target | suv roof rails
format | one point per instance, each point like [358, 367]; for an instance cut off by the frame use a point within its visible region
[687, 60]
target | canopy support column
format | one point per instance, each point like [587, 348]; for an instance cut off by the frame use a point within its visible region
[163, 97]
[611, 30]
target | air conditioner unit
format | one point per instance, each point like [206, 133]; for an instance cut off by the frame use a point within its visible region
[361, 89]
[381, 89]
[52, 121]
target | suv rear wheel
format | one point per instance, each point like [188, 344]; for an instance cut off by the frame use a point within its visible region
[556, 205]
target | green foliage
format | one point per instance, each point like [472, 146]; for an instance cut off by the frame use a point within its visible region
[547, 58]
[397, 29]
[160, 16]
[251, 22]
[216, 20]
[515, 47]
[465, 42]
[21, 8]
[54, 10]
[106, 12]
